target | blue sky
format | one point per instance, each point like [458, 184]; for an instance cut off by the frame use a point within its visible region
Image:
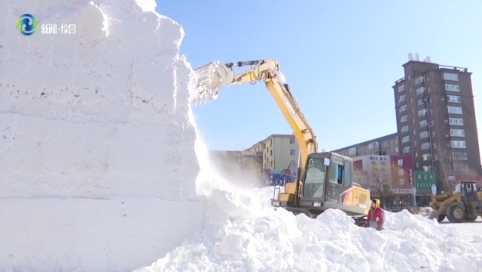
[340, 58]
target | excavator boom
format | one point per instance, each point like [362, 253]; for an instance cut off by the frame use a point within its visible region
[316, 189]
[216, 75]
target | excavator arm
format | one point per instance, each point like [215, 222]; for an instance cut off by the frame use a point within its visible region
[216, 75]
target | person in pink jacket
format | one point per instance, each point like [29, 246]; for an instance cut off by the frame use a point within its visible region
[375, 216]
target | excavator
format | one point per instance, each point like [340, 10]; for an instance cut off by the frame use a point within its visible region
[324, 179]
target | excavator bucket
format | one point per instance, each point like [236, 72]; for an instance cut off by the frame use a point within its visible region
[212, 77]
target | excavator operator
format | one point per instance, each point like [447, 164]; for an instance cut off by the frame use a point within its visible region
[375, 216]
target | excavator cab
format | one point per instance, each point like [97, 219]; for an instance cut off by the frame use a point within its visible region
[326, 183]
[467, 189]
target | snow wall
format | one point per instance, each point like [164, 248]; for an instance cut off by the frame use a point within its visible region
[97, 160]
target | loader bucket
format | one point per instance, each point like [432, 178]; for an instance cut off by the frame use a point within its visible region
[211, 78]
[434, 214]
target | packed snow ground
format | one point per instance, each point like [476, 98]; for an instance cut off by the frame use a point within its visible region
[248, 235]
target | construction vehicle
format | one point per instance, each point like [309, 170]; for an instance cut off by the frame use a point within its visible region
[324, 180]
[464, 204]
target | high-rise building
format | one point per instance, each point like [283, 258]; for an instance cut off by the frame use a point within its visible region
[436, 120]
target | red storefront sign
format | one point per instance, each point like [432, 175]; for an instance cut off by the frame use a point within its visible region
[402, 172]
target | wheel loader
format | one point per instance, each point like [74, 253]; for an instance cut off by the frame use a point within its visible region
[463, 205]
[324, 180]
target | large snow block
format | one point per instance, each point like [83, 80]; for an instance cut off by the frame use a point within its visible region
[116, 234]
[97, 160]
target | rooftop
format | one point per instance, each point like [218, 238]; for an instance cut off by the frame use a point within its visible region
[383, 138]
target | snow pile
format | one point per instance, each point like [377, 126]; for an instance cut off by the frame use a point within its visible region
[97, 160]
[248, 235]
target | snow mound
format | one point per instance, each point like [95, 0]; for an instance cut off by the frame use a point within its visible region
[251, 236]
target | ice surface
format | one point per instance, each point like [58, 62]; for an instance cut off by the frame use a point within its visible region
[97, 160]
[248, 235]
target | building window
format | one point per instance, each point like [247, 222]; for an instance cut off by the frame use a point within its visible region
[456, 121]
[292, 152]
[373, 145]
[452, 88]
[425, 146]
[454, 99]
[419, 80]
[423, 123]
[426, 157]
[403, 108]
[461, 168]
[352, 151]
[396, 149]
[404, 128]
[459, 156]
[457, 144]
[454, 110]
[451, 77]
[401, 99]
[293, 164]
[422, 112]
[420, 101]
[404, 118]
[401, 88]
[420, 90]
[457, 132]
[405, 139]
[423, 134]
[292, 140]
[271, 152]
[406, 150]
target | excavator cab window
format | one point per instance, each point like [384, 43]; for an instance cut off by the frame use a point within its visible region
[314, 184]
[335, 180]
[340, 174]
[347, 177]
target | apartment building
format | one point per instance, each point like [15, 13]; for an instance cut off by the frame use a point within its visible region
[436, 119]
[280, 152]
[386, 145]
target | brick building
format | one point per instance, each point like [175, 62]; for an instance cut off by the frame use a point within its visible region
[436, 119]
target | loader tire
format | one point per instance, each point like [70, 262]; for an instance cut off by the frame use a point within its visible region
[471, 218]
[441, 218]
[456, 213]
